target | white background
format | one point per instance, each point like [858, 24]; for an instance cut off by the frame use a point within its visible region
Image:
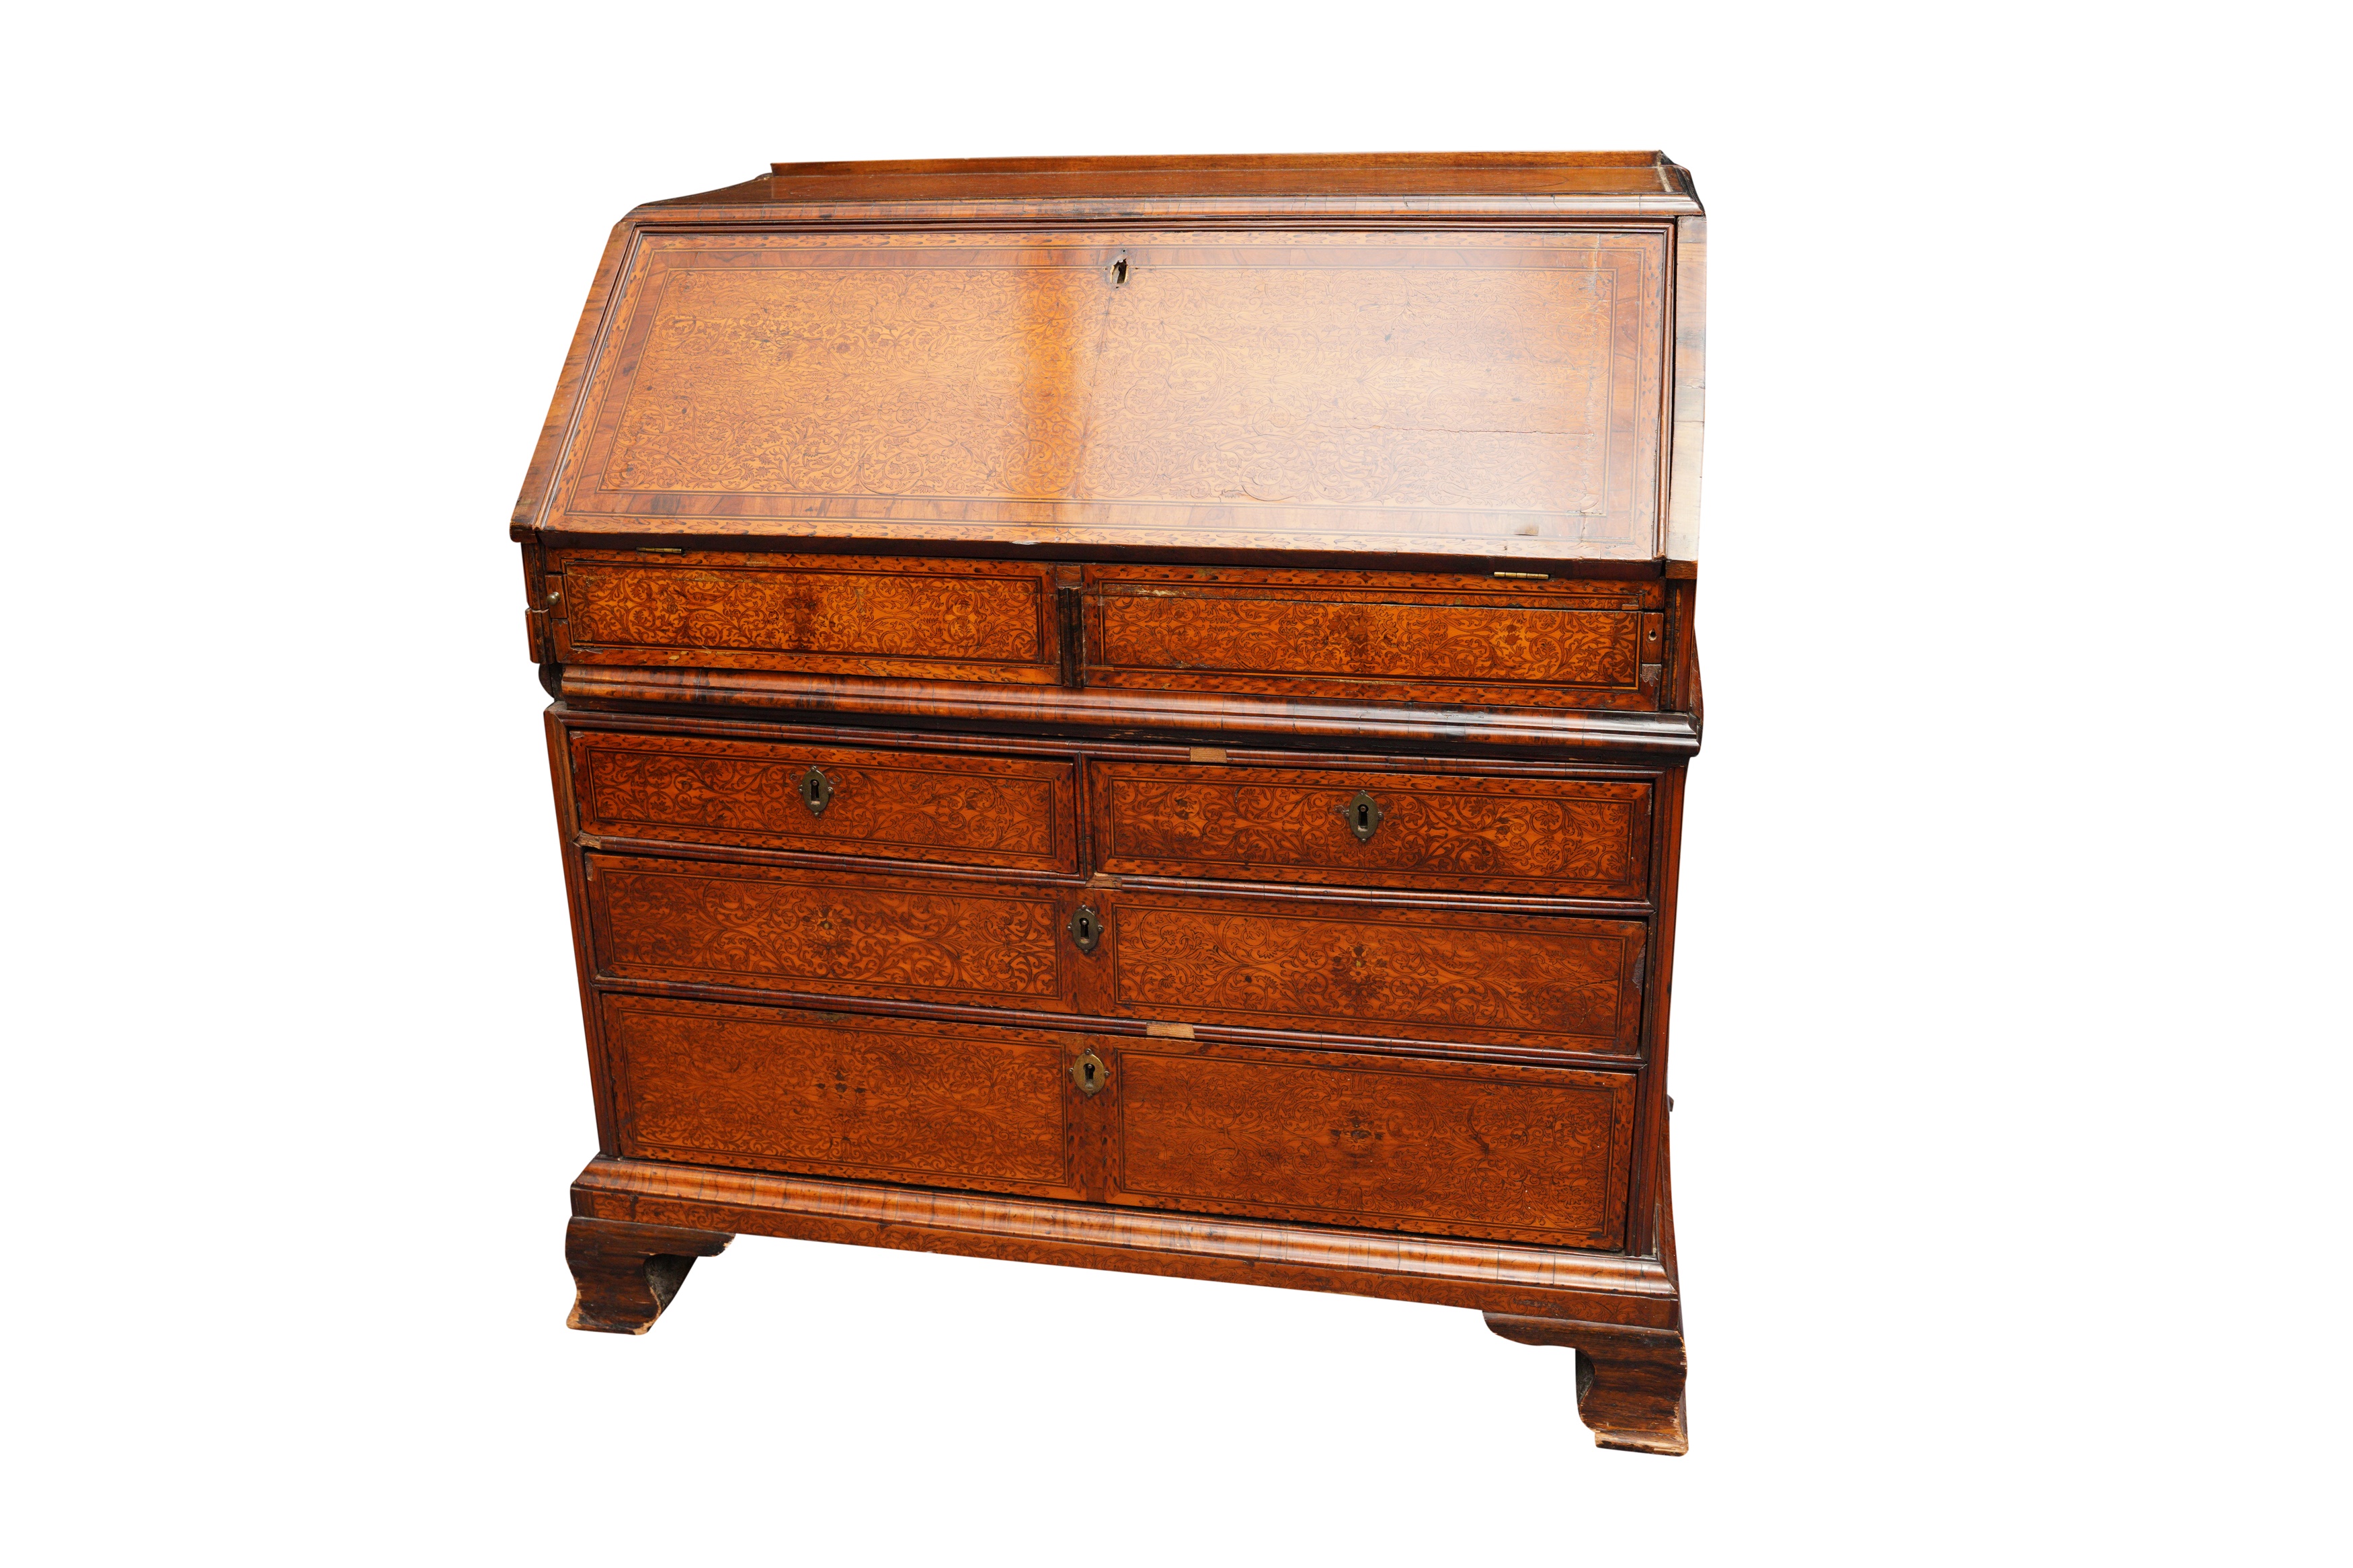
[2010, 1031]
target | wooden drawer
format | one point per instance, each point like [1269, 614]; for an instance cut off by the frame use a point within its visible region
[932, 939]
[1010, 812]
[1535, 1155]
[1448, 975]
[836, 615]
[1582, 838]
[1380, 636]
[959, 1105]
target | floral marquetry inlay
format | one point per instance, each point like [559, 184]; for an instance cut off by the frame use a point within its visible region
[1415, 973]
[812, 931]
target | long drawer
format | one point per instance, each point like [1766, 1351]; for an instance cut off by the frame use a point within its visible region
[961, 1105]
[1535, 1155]
[1549, 838]
[833, 614]
[1476, 977]
[1518, 1153]
[1014, 813]
[1376, 637]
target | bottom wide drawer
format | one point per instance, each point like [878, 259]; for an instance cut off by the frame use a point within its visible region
[1537, 1154]
[1402, 1143]
[905, 1100]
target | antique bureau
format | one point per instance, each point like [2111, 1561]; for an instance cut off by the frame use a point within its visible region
[1133, 712]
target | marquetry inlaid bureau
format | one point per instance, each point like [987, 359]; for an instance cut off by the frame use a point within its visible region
[1133, 712]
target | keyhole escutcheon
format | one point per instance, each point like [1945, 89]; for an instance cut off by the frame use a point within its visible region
[1090, 1074]
[1086, 928]
[817, 792]
[1362, 815]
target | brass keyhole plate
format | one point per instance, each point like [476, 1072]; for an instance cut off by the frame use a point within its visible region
[1362, 815]
[1086, 928]
[817, 792]
[1090, 1074]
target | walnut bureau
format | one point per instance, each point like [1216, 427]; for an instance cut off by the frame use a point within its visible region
[1133, 712]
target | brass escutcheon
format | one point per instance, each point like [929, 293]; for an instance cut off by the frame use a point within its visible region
[1090, 1074]
[1362, 815]
[1086, 928]
[817, 792]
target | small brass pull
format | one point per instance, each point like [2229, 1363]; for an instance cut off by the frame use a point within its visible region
[1086, 928]
[1362, 815]
[1090, 1074]
[817, 792]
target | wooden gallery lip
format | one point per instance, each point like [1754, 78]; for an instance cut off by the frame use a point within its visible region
[1133, 712]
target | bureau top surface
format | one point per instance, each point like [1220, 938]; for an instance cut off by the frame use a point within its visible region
[1645, 181]
[1446, 355]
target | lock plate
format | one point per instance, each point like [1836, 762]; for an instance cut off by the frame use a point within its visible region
[1086, 928]
[1362, 815]
[1090, 1074]
[816, 792]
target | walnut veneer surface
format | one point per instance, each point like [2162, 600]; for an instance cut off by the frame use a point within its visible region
[1133, 712]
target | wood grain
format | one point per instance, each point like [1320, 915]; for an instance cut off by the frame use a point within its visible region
[806, 931]
[1512, 1153]
[961, 620]
[1015, 812]
[1145, 385]
[956, 1105]
[1460, 643]
[1091, 532]
[1411, 974]
[1546, 837]
[624, 1274]
[1456, 1271]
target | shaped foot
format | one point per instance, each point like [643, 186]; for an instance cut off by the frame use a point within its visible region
[627, 1273]
[1630, 1382]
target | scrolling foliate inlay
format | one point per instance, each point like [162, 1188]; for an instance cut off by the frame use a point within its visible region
[666, 920]
[1159, 629]
[875, 613]
[1575, 840]
[1410, 973]
[989, 811]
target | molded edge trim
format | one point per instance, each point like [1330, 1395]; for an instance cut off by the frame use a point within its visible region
[1544, 1282]
[1408, 727]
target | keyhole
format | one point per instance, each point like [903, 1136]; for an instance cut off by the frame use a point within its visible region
[1363, 818]
[1119, 272]
[1090, 1068]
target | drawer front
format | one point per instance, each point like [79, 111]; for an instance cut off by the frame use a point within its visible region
[1008, 812]
[843, 615]
[897, 1099]
[1472, 977]
[1537, 1154]
[928, 940]
[1585, 839]
[1425, 639]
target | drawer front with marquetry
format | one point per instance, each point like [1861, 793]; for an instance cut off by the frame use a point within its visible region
[1376, 637]
[1014, 813]
[831, 615]
[1532, 1154]
[960, 1105]
[906, 938]
[1467, 976]
[1581, 838]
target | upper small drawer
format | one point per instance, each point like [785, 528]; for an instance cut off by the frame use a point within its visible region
[1376, 636]
[1013, 813]
[1577, 839]
[831, 614]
